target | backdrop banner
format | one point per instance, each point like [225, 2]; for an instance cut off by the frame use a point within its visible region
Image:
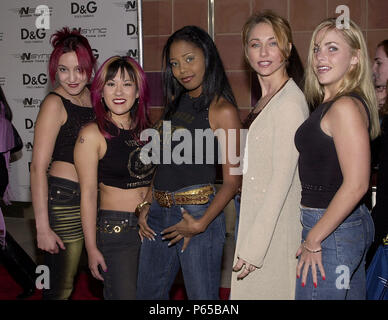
[25, 30]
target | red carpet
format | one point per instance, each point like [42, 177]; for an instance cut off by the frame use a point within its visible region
[86, 288]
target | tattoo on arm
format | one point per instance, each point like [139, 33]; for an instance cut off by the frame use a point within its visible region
[81, 139]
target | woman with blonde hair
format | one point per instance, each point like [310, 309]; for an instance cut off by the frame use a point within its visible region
[334, 165]
[268, 232]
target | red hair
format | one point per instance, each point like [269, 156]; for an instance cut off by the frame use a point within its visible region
[139, 111]
[65, 41]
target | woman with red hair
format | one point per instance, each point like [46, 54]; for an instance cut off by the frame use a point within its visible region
[56, 198]
[107, 158]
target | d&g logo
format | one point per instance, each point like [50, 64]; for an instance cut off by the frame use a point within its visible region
[34, 81]
[82, 11]
[32, 36]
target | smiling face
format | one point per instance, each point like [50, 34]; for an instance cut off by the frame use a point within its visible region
[70, 75]
[119, 94]
[263, 52]
[332, 59]
[188, 66]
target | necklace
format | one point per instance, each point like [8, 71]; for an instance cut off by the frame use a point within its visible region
[122, 124]
[79, 99]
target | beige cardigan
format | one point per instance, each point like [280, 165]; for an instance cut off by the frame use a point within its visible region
[269, 231]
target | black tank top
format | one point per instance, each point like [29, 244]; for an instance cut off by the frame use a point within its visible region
[319, 169]
[201, 165]
[76, 118]
[121, 166]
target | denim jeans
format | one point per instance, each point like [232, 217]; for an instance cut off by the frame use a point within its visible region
[343, 257]
[65, 221]
[119, 242]
[200, 262]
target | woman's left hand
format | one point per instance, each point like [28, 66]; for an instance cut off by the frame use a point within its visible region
[186, 228]
[248, 268]
[307, 259]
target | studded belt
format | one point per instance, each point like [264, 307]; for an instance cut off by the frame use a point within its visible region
[110, 221]
[116, 227]
[194, 196]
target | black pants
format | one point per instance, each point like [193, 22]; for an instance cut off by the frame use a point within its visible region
[18, 263]
[119, 242]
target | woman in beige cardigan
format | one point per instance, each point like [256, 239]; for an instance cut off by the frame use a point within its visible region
[269, 227]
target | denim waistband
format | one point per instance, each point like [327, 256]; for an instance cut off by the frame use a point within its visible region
[359, 210]
[126, 216]
[63, 182]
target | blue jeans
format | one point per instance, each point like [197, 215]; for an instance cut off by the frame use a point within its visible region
[200, 262]
[343, 257]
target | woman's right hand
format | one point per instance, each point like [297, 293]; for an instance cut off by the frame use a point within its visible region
[96, 259]
[49, 241]
[145, 230]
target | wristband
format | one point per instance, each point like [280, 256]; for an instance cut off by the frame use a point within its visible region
[309, 250]
[140, 206]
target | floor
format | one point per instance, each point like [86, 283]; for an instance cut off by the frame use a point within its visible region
[20, 222]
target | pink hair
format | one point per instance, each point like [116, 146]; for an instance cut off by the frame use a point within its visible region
[65, 41]
[106, 72]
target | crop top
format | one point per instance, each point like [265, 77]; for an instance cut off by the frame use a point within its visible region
[200, 154]
[77, 117]
[319, 169]
[121, 166]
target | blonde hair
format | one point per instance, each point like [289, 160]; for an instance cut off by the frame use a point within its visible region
[280, 26]
[358, 79]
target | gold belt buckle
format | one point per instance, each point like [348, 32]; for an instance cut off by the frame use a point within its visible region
[168, 204]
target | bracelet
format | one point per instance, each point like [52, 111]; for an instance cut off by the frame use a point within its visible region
[140, 206]
[309, 250]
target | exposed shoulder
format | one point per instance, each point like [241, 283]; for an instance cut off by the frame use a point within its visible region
[223, 108]
[347, 106]
[223, 113]
[90, 129]
[52, 111]
[90, 142]
[52, 102]
[346, 112]
[90, 133]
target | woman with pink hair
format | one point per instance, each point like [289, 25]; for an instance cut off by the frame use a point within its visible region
[56, 198]
[107, 159]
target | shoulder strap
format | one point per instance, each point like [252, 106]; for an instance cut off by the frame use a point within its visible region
[327, 107]
[351, 94]
[57, 94]
[65, 101]
[357, 96]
